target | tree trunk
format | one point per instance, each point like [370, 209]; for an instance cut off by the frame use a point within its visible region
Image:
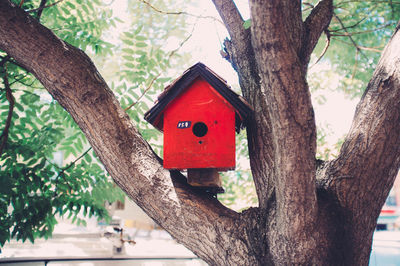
[305, 216]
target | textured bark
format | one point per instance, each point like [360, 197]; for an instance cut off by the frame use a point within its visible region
[285, 92]
[369, 160]
[323, 217]
[241, 55]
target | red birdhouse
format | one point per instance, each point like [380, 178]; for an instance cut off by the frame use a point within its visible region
[198, 114]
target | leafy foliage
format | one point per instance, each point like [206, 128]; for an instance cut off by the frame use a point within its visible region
[47, 167]
[35, 184]
[357, 34]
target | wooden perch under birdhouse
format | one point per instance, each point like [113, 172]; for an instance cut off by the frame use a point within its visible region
[198, 113]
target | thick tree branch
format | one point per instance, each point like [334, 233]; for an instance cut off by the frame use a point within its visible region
[314, 26]
[72, 79]
[11, 102]
[363, 174]
[276, 26]
[240, 53]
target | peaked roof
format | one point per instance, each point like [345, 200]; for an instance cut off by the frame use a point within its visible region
[242, 109]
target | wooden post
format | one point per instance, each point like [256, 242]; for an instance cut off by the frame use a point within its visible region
[204, 177]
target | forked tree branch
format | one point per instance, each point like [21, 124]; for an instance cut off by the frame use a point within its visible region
[232, 19]
[80, 89]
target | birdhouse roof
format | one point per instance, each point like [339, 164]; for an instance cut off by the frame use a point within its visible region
[242, 109]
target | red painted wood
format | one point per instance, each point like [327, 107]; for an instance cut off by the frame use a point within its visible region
[182, 148]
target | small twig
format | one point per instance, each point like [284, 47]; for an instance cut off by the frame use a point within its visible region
[372, 49]
[61, 173]
[172, 53]
[27, 84]
[311, 6]
[370, 1]
[10, 98]
[144, 92]
[41, 8]
[21, 3]
[352, 26]
[18, 79]
[392, 8]
[53, 164]
[351, 38]
[361, 32]
[179, 12]
[328, 42]
[76, 160]
[161, 11]
[4, 60]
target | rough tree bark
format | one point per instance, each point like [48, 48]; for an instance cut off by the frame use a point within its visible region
[305, 216]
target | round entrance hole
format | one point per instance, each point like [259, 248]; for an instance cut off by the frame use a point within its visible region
[200, 129]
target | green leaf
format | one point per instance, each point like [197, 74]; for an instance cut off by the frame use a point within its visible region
[66, 11]
[129, 35]
[84, 7]
[141, 38]
[247, 24]
[128, 42]
[140, 44]
[130, 65]
[71, 5]
[139, 29]
[128, 50]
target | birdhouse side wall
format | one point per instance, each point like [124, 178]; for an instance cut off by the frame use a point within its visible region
[199, 130]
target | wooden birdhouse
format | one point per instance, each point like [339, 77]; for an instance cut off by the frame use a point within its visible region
[198, 114]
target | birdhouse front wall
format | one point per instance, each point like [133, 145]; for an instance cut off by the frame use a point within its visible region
[199, 129]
